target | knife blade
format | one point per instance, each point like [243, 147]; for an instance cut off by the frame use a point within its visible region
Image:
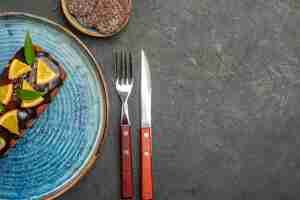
[146, 91]
[146, 131]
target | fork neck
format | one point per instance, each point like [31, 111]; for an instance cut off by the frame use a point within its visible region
[124, 114]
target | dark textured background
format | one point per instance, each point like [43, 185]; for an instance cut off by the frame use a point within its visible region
[225, 92]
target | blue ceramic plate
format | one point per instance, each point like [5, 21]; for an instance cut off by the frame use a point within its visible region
[64, 142]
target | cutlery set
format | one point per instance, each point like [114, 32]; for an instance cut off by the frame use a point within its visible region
[124, 82]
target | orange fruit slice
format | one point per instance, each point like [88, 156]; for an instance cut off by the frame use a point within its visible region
[6, 93]
[44, 73]
[2, 143]
[17, 68]
[10, 121]
[30, 103]
[26, 86]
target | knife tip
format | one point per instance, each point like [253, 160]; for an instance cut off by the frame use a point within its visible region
[143, 52]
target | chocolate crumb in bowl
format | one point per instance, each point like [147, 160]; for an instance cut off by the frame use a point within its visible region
[81, 7]
[89, 20]
[107, 16]
[111, 15]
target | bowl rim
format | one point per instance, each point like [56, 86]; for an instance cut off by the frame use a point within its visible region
[103, 131]
[74, 22]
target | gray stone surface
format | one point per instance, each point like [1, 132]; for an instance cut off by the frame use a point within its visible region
[226, 90]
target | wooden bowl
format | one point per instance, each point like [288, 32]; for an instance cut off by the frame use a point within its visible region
[91, 31]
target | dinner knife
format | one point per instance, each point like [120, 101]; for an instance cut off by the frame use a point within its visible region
[146, 132]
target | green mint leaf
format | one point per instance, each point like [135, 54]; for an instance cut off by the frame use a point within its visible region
[2, 108]
[28, 94]
[28, 50]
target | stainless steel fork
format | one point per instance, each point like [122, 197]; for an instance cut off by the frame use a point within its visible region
[124, 82]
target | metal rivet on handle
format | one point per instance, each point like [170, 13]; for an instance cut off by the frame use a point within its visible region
[146, 153]
[126, 152]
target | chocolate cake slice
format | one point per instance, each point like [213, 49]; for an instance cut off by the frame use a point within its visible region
[26, 89]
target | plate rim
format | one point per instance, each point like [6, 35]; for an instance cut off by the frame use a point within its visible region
[105, 112]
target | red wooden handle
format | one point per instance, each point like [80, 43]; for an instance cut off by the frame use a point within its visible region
[126, 166]
[146, 164]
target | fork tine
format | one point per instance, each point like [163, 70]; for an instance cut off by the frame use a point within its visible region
[116, 70]
[122, 66]
[130, 68]
[125, 67]
[121, 74]
[120, 60]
